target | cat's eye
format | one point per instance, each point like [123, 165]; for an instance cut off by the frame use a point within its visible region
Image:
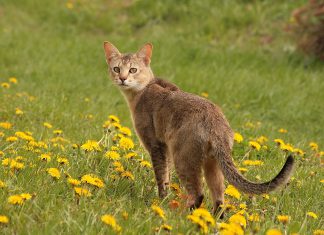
[133, 70]
[116, 69]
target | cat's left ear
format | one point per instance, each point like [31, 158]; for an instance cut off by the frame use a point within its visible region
[110, 51]
[145, 53]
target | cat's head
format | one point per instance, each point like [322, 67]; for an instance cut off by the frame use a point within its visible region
[131, 71]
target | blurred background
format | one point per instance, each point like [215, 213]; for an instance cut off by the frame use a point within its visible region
[261, 61]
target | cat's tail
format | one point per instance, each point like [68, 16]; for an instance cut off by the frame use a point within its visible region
[235, 178]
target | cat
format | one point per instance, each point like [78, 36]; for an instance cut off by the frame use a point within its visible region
[179, 127]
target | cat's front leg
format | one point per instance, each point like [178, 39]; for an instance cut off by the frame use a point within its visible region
[161, 167]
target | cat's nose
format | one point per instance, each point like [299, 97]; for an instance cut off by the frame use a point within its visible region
[122, 79]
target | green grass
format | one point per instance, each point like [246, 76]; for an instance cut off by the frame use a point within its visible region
[209, 46]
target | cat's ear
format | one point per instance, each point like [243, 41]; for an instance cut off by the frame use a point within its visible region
[145, 53]
[110, 51]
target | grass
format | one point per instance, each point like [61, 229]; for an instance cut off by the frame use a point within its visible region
[236, 51]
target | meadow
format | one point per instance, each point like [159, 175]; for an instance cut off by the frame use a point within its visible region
[70, 160]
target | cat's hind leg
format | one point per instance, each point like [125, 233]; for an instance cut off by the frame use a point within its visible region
[215, 181]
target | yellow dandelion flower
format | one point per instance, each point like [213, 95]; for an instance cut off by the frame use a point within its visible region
[158, 211]
[254, 217]
[24, 136]
[16, 200]
[312, 214]
[204, 215]
[232, 191]
[1, 134]
[318, 232]
[113, 155]
[283, 218]
[279, 141]
[45, 157]
[111, 221]
[14, 165]
[130, 155]
[175, 187]
[273, 231]
[146, 164]
[125, 131]
[230, 229]
[4, 219]
[5, 85]
[252, 163]
[47, 125]
[13, 80]
[82, 191]
[54, 172]
[113, 118]
[266, 196]
[299, 151]
[74, 182]
[2, 184]
[57, 132]
[11, 139]
[262, 139]
[126, 143]
[62, 161]
[93, 180]
[242, 169]
[204, 94]
[243, 206]
[238, 219]
[197, 220]
[5, 125]
[91, 145]
[313, 146]
[19, 111]
[26, 196]
[281, 130]
[166, 227]
[287, 147]
[255, 145]
[322, 181]
[238, 137]
[128, 175]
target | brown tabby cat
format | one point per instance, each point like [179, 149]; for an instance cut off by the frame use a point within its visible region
[184, 128]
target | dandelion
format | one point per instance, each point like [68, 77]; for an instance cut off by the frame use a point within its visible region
[13, 80]
[262, 139]
[283, 218]
[74, 182]
[273, 231]
[204, 215]
[318, 232]
[231, 228]
[116, 125]
[166, 227]
[146, 164]
[113, 118]
[11, 139]
[287, 147]
[281, 130]
[93, 180]
[1, 134]
[126, 143]
[62, 161]
[312, 215]
[196, 220]
[125, 131]
[19, 111]
[57, 132]
[24, 136]
[175, 187]
[54, 172]
[279, 141]
[255, 145]
[232, 191]
[4, 219]
[252, 163]
[82, 191]
[204, 94]
[45, 157]
[242, 169]
[313, 146]
[91, 145]
[5, 85]
[238, 137]
[322, 181]
[158, 211]
[5, 125]
[130, 155]
[254, 217]
[128, 175]
[111, 221]
[2, 184]
[19, 199]
[113, 155]
[47, 125]
[238, 219]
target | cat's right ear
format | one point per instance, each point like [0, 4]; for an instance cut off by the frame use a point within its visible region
[110, 51]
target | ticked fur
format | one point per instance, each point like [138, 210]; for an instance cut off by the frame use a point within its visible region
[179, 127]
